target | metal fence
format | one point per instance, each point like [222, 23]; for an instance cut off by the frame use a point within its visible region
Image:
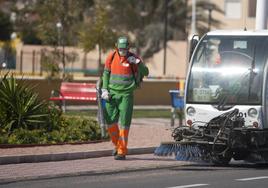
[28, 61]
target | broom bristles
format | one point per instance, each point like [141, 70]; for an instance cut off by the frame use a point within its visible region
[166, 148]
[182, 151]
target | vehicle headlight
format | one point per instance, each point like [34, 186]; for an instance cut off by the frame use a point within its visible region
[252, 112]
[190, 111]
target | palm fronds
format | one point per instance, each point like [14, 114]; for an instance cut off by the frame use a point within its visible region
[19, 105]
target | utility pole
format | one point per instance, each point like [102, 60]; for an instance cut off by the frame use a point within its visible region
[165, 37]
[61, 43]
[261, 15]
[193, 25]
[65, 5]
[209, 17]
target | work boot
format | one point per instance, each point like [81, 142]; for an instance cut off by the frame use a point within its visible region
[120, 157]
[114, 153]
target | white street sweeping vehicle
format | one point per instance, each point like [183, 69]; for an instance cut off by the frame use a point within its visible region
[226, 100]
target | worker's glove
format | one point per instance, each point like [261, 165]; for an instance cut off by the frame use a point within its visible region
[105, 94]
[133, 60]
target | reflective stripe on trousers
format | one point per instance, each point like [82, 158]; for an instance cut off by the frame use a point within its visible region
[114, 133]
[122, 141]
[119, 138]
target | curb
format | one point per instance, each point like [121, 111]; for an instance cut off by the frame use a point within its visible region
[68, 156]
[88, 173]
[3, 146]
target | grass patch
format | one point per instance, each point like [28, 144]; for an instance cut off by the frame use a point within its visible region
[152, 113]
[161, 113]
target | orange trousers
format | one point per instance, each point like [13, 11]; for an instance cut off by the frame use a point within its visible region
[119, 138]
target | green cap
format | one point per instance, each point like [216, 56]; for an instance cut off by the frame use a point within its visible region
[122, 42]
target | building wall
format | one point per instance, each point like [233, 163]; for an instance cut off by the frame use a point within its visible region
[176, 61]
[236, 14]
[229, 20]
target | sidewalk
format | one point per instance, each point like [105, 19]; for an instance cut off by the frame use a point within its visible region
[145, 135]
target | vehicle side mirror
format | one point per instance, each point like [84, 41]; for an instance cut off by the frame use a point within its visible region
[194, 41]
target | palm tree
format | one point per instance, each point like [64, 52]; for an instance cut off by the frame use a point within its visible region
[19, 106]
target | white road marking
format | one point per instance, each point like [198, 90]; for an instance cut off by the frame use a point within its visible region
[253, 178]
[186, 186]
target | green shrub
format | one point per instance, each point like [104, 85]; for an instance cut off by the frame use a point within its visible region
[80, 128]
[3, 139]
[19, 106]
[71, 130]
[26, 120]
[23, 136]
[54, 117]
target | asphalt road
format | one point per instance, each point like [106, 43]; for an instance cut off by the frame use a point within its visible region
[234, 176]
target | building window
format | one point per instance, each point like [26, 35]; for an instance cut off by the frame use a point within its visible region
[252, 8]
[233, 9]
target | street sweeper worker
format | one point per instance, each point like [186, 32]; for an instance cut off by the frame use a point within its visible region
[123, 72]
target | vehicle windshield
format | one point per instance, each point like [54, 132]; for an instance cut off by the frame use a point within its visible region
[228, 70]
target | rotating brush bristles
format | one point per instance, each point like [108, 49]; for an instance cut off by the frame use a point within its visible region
[182, 151]
[189, 153]
[166, 149]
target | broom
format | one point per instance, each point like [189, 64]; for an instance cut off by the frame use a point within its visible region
[183, 151]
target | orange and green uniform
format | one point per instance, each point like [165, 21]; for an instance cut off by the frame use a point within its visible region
[120, 78]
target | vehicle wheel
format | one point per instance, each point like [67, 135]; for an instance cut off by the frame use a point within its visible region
[240, 155]
[221, 160]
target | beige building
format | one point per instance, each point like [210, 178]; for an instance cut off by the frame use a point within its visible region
[238, 14]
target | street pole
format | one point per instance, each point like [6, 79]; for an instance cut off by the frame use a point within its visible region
[58, 25]
[63, 54]
[165, 37]
[193, 24]
[261, 15]
[61, 43]
[209, 18]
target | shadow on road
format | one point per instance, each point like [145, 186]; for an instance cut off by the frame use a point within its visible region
[150, 159]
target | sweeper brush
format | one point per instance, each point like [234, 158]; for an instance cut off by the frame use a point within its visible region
[197, 151]
[183, 151]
